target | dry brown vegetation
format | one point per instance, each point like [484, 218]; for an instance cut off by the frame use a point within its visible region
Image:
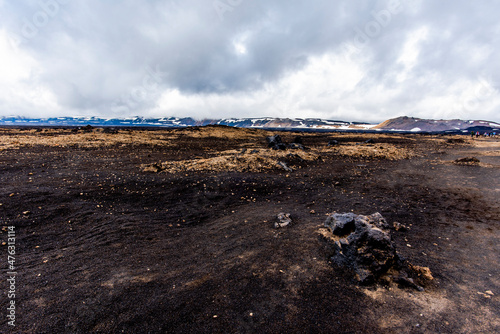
[258, 159]
[15, 139]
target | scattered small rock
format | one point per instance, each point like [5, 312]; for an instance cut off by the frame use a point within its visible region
[425, 272]
[284, 166]
[295, 146]
[484, 294]
[283, 220]
[399, 227]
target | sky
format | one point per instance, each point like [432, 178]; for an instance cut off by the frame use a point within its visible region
[342, 60]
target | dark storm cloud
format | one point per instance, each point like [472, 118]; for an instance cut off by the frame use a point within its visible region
[122, 56]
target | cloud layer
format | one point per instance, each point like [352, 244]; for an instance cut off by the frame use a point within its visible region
[363, 60]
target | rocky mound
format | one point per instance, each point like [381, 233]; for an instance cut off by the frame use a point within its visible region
[254, 160]
[275, 142]
[363, 245]
[468, 161]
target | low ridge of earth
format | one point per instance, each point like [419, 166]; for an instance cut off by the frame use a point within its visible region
[173, 231]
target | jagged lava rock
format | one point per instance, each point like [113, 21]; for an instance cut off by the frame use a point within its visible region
[275, 143]
[363, 244]
[283, 220]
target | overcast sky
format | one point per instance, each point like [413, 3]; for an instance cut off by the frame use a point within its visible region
[345, 60]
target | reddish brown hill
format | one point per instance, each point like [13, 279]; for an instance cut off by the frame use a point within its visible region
[417, 124]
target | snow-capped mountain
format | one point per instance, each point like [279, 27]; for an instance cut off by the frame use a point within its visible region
[399, 124]
[267, 122]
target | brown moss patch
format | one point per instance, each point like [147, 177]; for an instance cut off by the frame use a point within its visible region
[233, 161]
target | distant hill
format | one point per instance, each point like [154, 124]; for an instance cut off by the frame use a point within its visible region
[405, 123]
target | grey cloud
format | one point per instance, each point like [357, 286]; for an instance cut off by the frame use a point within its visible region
[94, 54]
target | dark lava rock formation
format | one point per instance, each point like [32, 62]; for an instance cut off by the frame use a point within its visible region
[364, 245]
[275, 143]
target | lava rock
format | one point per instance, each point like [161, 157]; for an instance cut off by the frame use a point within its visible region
[273, 140]
[275, 143]
[283, 220]
[333, 143]
[88, 128]
[362, 243]
[110, 130]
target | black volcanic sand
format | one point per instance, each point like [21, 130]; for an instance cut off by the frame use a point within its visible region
[109, 248]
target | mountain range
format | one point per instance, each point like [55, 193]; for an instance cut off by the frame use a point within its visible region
[400, 124]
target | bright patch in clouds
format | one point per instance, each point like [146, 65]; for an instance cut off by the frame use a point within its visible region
[410, 53]
[21, 90]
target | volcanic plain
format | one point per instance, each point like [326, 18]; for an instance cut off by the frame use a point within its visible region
[173, 230]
